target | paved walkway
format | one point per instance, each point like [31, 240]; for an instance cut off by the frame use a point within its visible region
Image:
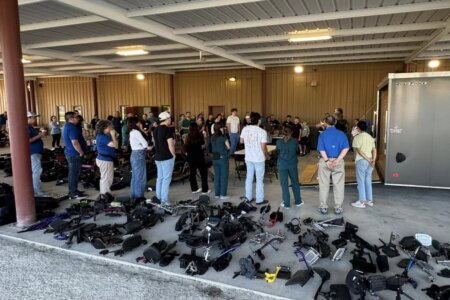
[34, 272]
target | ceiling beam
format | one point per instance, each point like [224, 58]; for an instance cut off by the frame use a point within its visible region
[359, 13]
[334, 52]
[52, 64]
[408, 39]
[98, 61]
[118, 15]
[26, 2]
[186, 61]
[176, 67]
[337, 32]
[75, 68]
[160, 56]
[61, 23]
[337, 58]
[98, 39]
[187, 6]
[435, 37]
[112, 51]
[105, 71]
[64, 73]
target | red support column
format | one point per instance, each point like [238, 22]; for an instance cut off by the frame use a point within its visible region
[95, 96]
[263, 92]
[172, 95]
[16, 106]
[32, 96]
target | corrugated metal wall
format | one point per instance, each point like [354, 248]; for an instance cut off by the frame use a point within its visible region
[349, 86]
[195, 91]
[63, 91]
[115, 91]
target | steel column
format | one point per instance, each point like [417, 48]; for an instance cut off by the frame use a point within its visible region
[16, 106]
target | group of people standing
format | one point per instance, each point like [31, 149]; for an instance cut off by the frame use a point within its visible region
[221, 140]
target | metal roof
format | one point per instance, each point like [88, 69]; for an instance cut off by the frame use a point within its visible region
[227, 33]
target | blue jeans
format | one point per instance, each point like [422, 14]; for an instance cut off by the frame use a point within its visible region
[165, 170]
[138, 174]
[364, 179]
[74, 173]
[252, 168]
[292, 173]
[36, 169]
[220, 176]
[234, 140]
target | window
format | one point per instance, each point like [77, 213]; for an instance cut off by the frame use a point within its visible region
[61, 112]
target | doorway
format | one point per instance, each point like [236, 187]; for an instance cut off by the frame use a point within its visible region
[215, 110]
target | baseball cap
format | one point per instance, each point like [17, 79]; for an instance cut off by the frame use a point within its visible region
[31, 114]
[164, 116]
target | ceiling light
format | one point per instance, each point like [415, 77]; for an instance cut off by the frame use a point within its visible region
[309, 35]
[131, 51]
[140, 76]
[298, 69]
[232, 79]
[25, 61]
[434, 63]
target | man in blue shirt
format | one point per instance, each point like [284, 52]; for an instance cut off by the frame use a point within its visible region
[333, 146]
[36, 148]
[75, 147]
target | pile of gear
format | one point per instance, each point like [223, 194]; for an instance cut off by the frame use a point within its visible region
[213, 232]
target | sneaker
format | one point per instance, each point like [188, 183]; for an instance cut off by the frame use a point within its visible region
[224, 197]
[204, 193]
[77, 197]
[282, 205]
[246, 199]
[300, 204]
[262, 202]
[338, 210]
[81, 193]
[197, 191]
[358, 204]
[216, 197]
[370, 203]
[323, 210]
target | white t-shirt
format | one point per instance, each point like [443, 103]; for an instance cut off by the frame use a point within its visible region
[253, 137]
[137, 140]
[234, 123]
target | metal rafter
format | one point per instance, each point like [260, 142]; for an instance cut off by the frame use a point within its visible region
[368, 12]
[61, 23]
[118, 15]
[179, 7]
[98, 61]
[337, 32]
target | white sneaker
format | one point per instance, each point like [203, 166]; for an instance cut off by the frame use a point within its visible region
[298, 205]
[358, 204]
[216, 197]
[197, 191]
[224, 197]
[370, 203]
[204, 193]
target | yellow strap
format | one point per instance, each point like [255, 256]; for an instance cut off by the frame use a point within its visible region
[270, 277]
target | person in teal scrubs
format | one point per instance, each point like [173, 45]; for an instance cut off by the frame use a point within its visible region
[287, 168]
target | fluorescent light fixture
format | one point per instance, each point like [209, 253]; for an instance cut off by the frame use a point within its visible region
[232, 79]
[298, 69]
[131, 51]
[309, 35]
[434, 63]
[140, 76]
[25, 61]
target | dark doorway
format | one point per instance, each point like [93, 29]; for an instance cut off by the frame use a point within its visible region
[215, 110]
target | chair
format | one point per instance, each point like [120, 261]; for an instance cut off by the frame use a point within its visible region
[240, 167]
[271, 166]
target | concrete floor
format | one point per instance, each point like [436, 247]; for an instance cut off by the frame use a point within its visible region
[405, 211]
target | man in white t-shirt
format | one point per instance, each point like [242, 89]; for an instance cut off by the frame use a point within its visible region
[255, 141]
[233, 126]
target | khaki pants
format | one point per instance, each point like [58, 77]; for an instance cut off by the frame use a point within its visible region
[106, 175]
[338, 176]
